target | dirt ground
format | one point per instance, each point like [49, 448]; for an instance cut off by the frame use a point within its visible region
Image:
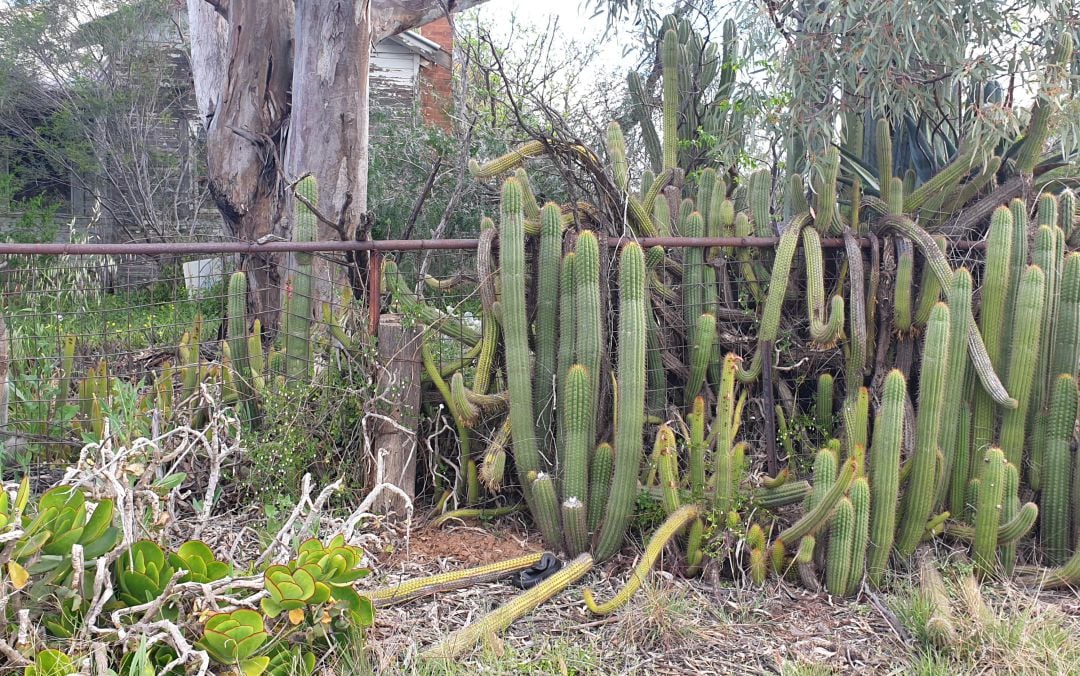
[672, 626]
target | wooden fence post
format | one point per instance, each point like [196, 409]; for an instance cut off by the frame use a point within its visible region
[399, 381]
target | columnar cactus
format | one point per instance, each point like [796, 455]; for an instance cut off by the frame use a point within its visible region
[991, 488]
[633, 303]
[580, 407]
[590, 345]
[518, 371]
[238, 345]
[1023, 354]
[1055, 528]
[601, 467]
[701, 349]
[933, 379]
[547, 317]
[302, 286]
[959, 313]
[860, 503]
[841, 541]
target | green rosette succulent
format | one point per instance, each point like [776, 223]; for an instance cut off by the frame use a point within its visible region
[142, 573]
[199, 562]
[234, 638]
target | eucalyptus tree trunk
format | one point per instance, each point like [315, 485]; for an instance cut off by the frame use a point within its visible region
[293, 100]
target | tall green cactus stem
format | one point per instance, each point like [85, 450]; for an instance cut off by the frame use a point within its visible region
[580, 406]
[905, 276]
[816, 517]
[461, 640]
[643, 116]
[804, 561]
[1038, 129]
[1066, 343]
[669, 59]
[616, 148]
[601, 467]
[656, 396]
[752, 271]
[1056, 508]
[701, 349]
[961, 466]
[823, 404]
[667, 464]
[759, 188]
[575, 525]
[547, 320]
[567, 344]
[826, 215]
[991, 488]
[841, 544]
[824, 330]
[298, 338]
[959, 312]
[825, 468]
[929, 289]
[992, 311]
[724, 424]
[860, 502]
[1010, 506]
[694, 554]
[696, 448]
[1050, 259]
[1067, 208]
[1023, 355]
[589, 345]
[518, 372]
[238, 346]
[545, 497]
[630, 409]
[884, 470]
[883, 146]
[509, 161]
[770, 316]
[694, 272]
[706, 186]
[857, 423]
[67, 367]
[991, 383]
[671, 527]
[933, 380]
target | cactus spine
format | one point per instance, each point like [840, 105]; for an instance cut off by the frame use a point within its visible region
[298, 315]
[933, 378]
[1023, 355]
[631, 399]
[1055, 528]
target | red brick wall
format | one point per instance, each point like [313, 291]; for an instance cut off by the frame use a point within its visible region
[436, 93]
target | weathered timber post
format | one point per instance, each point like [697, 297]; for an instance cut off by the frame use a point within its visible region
[399, 381]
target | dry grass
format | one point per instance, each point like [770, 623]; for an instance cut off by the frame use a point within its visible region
[1002, 630]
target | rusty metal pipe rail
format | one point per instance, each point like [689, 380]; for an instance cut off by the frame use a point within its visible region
[387, 245]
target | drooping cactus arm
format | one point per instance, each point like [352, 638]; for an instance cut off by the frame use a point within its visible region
[408, 590]
[671, 527]
[456, 643]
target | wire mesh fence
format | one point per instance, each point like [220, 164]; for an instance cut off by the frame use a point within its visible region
[123, 339]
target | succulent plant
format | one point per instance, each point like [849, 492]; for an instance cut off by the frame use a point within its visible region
[233, 639]
[142, 573]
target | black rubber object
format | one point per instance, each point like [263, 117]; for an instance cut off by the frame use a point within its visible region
[547, 566]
